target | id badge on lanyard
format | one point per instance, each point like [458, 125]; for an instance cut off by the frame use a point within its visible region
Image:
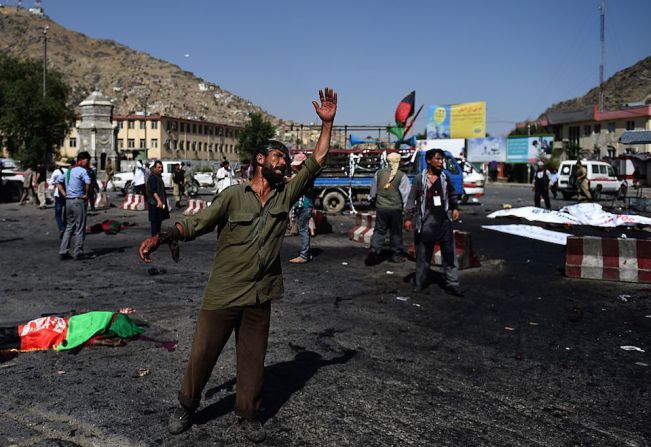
[437, 200]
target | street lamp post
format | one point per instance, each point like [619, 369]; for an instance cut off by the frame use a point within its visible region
[45, 60]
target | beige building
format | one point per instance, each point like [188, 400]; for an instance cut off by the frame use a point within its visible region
[305, 136]
[165, 137]
[598, 133]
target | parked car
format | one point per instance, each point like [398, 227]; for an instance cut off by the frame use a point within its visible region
[12, 180]
[601, 176]
[473, 181]
[123, 180]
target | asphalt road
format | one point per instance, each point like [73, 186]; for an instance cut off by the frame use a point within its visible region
[526, 358]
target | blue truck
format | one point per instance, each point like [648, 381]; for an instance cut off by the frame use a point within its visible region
[348, 175]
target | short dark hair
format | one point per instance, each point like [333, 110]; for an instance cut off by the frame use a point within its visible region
[432, 152]
[158, 162]
[269, 146]
[225, 162]
[83, 155]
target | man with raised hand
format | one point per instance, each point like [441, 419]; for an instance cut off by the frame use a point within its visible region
[246, 273]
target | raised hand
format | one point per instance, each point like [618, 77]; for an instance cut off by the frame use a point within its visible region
[328, 108]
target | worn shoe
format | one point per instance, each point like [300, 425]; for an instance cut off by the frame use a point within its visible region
[298, 260]
[84, 257]
[252, 429]
[454, 291]
[372, 259]
[180, 420]
[65, 256]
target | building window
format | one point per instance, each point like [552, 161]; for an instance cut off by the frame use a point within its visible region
[210, 130]
[611, 127]
[220, 131]
[120, 143]
[131, 143]
[142, 143]
[154, 143]
[597, 128]
[182, 127]
[120, 124]
[154, 124]
[194, 145]
[181, 145]
[587, 130]
[630, 125]
[131, 124]
[143, 124]
[194, 128]
[73, 142]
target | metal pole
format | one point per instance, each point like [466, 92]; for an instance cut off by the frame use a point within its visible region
[45, 60]
[146, 150]
[602, 9]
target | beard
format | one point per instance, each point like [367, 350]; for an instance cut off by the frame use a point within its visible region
[273, 176]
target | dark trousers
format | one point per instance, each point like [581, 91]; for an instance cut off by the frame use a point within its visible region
[59, 207]
[214, 327]
[544, 193]
[304, 216]
[425, 251]
[387, 221]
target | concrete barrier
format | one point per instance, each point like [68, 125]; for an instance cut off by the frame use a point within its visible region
[134, 202]
[609, 259]
[363, 229]
[194, 206]
[463, 249]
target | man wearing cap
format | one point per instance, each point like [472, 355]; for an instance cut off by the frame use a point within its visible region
[302, 210]
[582, 183]
[431, 199]
[389, 193]
[246, 273]
[541, 181]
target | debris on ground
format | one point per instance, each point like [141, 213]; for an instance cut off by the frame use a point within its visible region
[156, 271]
[141, 372]
[344, 263]
[624, 298]
[507, 206]
[402, 298]
[631, 348]
[509, 328]
[389, 272]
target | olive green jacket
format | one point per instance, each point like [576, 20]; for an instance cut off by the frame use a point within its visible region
[246, 269]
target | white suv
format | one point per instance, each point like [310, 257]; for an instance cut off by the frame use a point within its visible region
[601, 176]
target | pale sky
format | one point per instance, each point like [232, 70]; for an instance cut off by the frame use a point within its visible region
[520, 56]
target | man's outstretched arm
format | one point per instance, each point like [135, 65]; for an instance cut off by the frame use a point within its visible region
[326, 111]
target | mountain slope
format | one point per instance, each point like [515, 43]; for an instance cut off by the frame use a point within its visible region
[131, 77]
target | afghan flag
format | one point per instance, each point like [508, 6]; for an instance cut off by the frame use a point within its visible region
[398, 131]
[63, 334]
[406, 108]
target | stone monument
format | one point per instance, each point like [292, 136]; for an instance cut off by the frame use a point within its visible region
[96, 131]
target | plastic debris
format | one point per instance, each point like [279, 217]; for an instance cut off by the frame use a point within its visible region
[61, 372]
[141, 372]
[509, 328]
[474, 199]
[623, 236]
[533, 323]
[416, 305]
[631, 348]
[402, 298]
[389, 272]
[647, 316]
[507, 206]
[624, 298]
[127, 310]
[155, 271]
[344, 263]
[641, 364]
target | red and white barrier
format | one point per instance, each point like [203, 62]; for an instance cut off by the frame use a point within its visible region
[101, 201]
[464, 251]
[609, 259]
[363, 229]
[134, 202]
[194, 206]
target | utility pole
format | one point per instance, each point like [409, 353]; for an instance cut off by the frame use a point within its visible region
[602, 10]
[45, 60]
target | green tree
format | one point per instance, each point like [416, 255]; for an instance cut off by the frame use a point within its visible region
[32, 126]
[255, 133]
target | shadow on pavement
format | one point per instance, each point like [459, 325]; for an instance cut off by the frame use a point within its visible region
[282, 380]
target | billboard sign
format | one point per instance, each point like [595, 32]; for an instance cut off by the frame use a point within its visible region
[452, 145]
[485, 150]
[466, 120]
[529, 149]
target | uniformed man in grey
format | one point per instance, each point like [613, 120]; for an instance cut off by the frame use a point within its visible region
[246, 274]
[431, 201]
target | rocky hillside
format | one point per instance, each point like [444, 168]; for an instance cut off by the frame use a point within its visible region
[633, 84]
[119, 72]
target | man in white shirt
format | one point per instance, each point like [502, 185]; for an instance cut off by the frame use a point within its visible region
[139, 178]
[224, 176]
[59, 201]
